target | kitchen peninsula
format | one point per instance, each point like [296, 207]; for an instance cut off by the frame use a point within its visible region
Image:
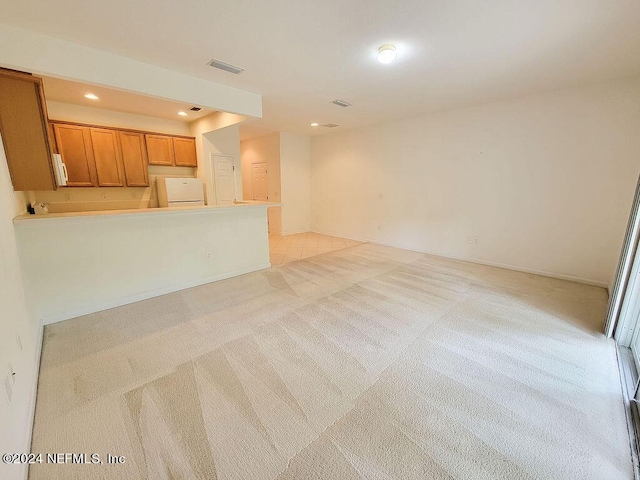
[84, 262]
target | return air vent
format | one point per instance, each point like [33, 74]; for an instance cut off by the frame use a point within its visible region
[225, 66]
[195, 109]
[341, 103]
[330, 125]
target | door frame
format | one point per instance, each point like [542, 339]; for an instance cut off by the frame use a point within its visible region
[616, 324]
[623, 324]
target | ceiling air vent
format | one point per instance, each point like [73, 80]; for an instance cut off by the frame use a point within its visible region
[195, 109]
[225, 66]
[341, 103]
[330, 125]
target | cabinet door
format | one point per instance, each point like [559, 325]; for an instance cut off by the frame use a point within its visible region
[74, 144]
[134, 159]
[24, 132]
[159, 149]
[185, 152]
[106, 154]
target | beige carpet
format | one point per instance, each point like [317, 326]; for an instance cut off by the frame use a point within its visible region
[289, 248]
[364, 363]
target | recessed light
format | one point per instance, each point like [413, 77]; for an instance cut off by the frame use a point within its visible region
[386, 53]
[314, 124]
[182, 114]
[91, 96]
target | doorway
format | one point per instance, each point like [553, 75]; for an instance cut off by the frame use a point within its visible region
[224, 178]
[260, 181]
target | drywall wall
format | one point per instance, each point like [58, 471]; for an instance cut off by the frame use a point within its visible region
[295, 182]
[36, 53]
[108, 118]
[264, 149]
[19, 336]
[222, 140]
[101, 261]
[544, 183]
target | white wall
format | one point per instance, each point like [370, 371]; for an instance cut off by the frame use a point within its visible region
[295, 182]
[82, 264]
[258, 150]
[108, 118]
[218, 134]
[16, 320]
[36, 53]
[544, 182]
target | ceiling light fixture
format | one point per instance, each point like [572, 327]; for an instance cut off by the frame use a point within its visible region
[91, 96]
[386, 53]
[182, 114]
[314, 124]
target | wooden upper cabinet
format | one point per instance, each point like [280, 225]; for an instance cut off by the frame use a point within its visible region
[109, 157]
[159, 149]
[74, 144]
[25, 136]
[184, 150]
[134, 158]
[106, 154]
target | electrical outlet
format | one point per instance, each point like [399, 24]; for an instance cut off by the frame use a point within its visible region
[472, 240]
[209, 255]
[67, 197]
[134, 195]
[105, 196]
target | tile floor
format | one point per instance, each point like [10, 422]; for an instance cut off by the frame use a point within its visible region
[289, 248]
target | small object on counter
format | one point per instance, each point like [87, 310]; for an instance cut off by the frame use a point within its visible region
[30, 209]
[40, 208]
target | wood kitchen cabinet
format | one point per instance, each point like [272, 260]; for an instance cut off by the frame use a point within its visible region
[184, 150]
[106, 154]
[174, 151]
[110, 157]
[134, 158]
[159, 149]
[25, 135]
[74, 145]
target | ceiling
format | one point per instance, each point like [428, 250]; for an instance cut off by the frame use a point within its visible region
[302, 55]
[66, 91]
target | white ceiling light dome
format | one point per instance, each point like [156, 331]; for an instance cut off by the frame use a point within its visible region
[387, 53]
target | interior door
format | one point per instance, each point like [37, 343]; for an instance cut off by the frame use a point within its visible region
[260, 182]
[224, 179]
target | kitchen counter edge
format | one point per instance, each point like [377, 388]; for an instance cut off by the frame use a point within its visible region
[28, 218]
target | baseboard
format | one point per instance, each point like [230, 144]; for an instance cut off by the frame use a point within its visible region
[542, 273]
[146, 295]
[34, 395]
[294, 232]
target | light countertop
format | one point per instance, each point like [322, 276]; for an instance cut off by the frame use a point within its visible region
[21, 219]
